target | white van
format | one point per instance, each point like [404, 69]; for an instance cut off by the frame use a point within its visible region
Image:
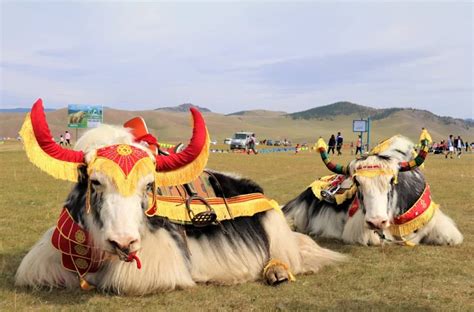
[239, 140]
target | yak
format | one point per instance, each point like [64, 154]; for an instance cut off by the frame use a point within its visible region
[110, 234]
[380, 197]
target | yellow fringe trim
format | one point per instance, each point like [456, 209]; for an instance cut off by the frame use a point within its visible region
[373, 173]
[187, 173]
[59, 169]
[126, 184]
[401, 230]
[239, 206]
[275, 262]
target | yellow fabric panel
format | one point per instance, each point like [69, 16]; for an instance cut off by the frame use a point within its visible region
[247, 205]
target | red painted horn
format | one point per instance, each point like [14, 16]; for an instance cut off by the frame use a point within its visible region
[43, 151]
[191, 152]
[45, 139]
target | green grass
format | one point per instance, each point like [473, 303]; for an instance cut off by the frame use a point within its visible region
[375, 278]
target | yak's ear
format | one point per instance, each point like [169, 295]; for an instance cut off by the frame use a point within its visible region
[43, 151]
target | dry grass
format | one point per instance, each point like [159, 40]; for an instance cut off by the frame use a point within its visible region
[391, 278]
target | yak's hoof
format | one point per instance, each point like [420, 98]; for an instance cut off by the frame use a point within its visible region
[276, 275]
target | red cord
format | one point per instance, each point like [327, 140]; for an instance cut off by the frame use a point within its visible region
[133, 256]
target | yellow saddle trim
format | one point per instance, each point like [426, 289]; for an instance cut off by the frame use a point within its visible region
[324, 182]
[401, 230]
[174, 208]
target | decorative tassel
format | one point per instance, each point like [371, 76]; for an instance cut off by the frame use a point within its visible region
[85, 284]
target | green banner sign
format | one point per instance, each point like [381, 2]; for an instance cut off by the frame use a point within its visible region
[84, 116]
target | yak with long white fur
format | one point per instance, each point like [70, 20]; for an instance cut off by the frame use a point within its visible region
[110, 233]
[382, 196]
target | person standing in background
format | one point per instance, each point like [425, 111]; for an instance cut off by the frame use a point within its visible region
[459, 146]
[339, 141]
[450, 147]
[359, 145]
[251, 142]
[67, 136]
[331, 144]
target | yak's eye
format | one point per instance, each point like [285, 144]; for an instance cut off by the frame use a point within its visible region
[95, 183]
[149, 187]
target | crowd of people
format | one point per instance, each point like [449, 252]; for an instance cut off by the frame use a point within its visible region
[452, 147]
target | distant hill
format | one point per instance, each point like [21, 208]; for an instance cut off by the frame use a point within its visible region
[347, 108]
[332, 110]
[184, 108]
[20, 110]
[257, 112]
[173, 126]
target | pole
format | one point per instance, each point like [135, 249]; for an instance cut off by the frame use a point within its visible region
[368, 133]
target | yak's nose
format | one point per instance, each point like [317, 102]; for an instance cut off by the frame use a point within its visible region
[124, 243]
[377, 223]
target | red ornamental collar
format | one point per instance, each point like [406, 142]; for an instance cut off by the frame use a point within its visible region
[124, 155]
[420, 206]
[77, 251]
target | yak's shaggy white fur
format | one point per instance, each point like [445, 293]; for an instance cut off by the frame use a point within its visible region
[167, 264]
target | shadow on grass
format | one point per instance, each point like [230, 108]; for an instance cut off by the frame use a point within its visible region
[9, 263]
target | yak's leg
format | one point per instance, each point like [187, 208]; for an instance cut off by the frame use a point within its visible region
[355, 231]
[291, 252]
[441, 230]
[42, 267]
[284, 256]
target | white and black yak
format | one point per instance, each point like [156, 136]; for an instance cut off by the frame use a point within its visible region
[386, 197]
[105, 229]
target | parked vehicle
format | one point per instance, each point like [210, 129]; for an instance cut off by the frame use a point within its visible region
[227, 141]
[239, 140]
[270, 142]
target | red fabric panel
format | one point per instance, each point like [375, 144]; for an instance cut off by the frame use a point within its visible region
[191, 152]
[45, 139]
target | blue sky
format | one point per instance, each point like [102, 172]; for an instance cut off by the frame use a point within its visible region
[231, 56]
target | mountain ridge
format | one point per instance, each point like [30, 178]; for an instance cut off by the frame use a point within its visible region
[182, 108]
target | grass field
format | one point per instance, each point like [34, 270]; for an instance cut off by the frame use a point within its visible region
[388, 278]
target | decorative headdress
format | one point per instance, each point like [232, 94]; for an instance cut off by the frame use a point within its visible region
[63, 163]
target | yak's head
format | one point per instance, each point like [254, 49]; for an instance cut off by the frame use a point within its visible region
[376, 176]
[116, 177]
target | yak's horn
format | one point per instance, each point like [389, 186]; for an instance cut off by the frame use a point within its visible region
[43, 151]
[336, 168]
[418, 160]
[185, 166]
